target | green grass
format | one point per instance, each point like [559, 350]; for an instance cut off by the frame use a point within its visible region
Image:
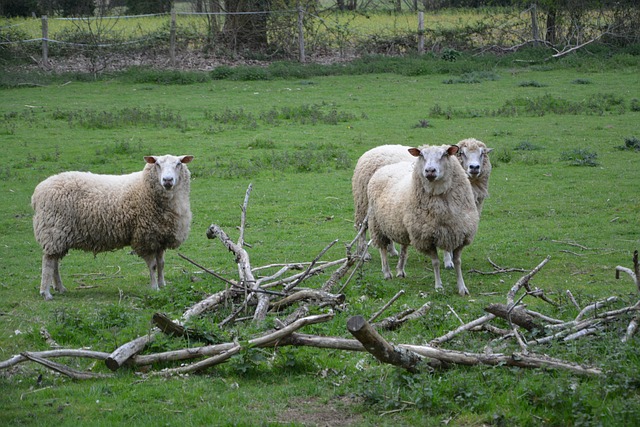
[297, 140]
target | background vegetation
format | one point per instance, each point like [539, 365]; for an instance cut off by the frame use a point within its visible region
[565, 166]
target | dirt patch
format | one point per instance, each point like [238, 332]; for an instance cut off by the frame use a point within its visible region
[337, 412]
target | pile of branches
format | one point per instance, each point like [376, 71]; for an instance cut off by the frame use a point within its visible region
[273, 293]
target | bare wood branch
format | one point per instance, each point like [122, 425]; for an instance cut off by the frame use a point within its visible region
[313, 263]
[317, 270]
[221, 353]
[243, 217]
[48, 354]
[58, 367]
[573, 300]
[244, 267]
[308, 294]
[631, 329]
[594, 306]
[516, 359]
[124, 352]
[387, 305]
[448, 336]
[375, 344]
[514, 315]
[211, 272]
[635, 273]
[524, 281]
[394, 322]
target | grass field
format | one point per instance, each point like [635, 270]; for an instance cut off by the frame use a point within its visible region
[561, 187]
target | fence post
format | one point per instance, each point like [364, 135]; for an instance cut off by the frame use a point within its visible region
[45, 41]
[301, 33]
[172, 38]
[420, 33]
[534, 24]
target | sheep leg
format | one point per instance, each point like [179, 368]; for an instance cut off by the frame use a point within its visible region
[385, 262]
[457, 263]
[435, 262]
[448, 260]
[391, 249]
[57, 280]
[152, 263]
[160, 266]
[50, 275]
[402, 261]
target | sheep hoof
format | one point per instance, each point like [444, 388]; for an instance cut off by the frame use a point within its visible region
[388, 276]
[47, 296]
[463, 292]
[448, 266]
[401, 274]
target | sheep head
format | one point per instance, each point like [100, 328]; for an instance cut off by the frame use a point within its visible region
[431, 161]
[168, 168]
[473, 157]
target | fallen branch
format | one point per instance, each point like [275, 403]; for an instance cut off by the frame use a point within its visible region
[58, 367]
[375, 344]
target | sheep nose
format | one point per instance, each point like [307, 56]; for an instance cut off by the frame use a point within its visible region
[474, 169]
[430, 173]
[167, 182]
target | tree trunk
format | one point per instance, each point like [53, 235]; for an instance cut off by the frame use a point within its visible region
[244, 31]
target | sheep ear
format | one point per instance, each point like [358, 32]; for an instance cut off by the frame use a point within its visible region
[186, 159]
[453, 150]
[488, 150]
[414, 152]
[150, 159]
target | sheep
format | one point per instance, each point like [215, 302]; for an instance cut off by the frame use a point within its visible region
[146, 210]
[473, 155]
[474, 158]
[367, 165]
[431, 206]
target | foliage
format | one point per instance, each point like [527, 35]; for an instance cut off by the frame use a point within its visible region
[631, 144]
[580, 157]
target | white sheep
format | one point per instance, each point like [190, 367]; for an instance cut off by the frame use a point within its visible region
[430, 207]
[147, 210]
[367, 165]
[474, 158]
[473, 155]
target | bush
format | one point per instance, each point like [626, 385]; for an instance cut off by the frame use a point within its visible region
[580, 157]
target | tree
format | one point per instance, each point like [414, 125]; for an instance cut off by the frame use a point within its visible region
[148, 6]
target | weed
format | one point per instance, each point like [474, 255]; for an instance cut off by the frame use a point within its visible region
[632, 144]
[422, 123]
[531, 83]
[526, 146]
[580, 157]
[635, 104]
[581, 82]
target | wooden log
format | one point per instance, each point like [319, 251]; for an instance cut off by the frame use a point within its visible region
[375, 344]
[47, 354]
[514, 315]
[308, 295]
[63, 369]
[124, 352]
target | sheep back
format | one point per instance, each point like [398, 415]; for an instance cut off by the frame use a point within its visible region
[367, 165]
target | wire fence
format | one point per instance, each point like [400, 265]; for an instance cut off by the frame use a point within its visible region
[203, 39]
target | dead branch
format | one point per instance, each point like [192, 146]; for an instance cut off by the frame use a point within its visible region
[514, 315]
[124, 352]
[387, 305]
[394, 322]
[375, 344]
[471, 325]
[313, 263]
[524, 281]
[58, 367]
[49, 354]
[497, 269]
[244, 268]
[516, 359]
[308, 295]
